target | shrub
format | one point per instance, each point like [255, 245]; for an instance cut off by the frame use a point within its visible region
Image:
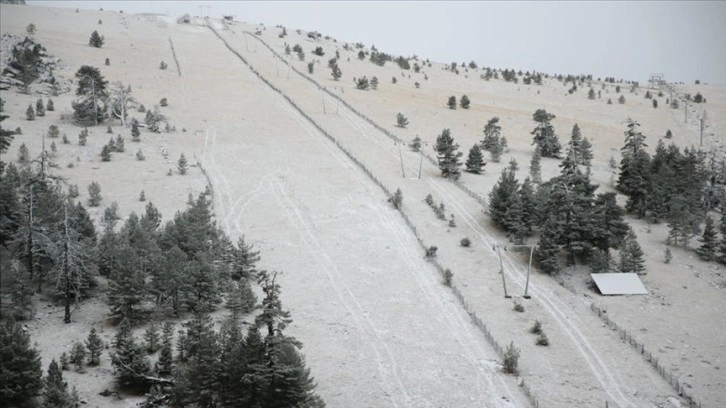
[542, 340]
[140, 156]
[18, 131]
[668, 256]
[610, 101]
[96, 40]
[30, 29]
[447, 277]
[401, 121]
[465, 242]
[397, 199]
[655, 103]
[416, 145]
[511, 359]
[518, 307]
[374, 83]
[53, 131]
[142, 196]
[675, 104]
[163, 102]
[621, 100]
[429, 200]
[65, 139]
[698, 98]
[107, 62]
[318, 51]
[361, 83]
[311, 67]
[73, 191]
[431, 251]
[163, 65]
[536, 327]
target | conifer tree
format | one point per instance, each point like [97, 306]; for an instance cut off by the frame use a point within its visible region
[96, 40]
[94, 194]
[475, 161]
[39, 108]
[95, 345]
[608, 227]
[448, 155]
[416, 144]
[83, 137]
[634, 179]
[78, 354]
[464, 102]
[151, 337]
[135, 133]
[90, 107]
[401, 121]
[336, 72]
[452, 102]
[535, 168]
[584, 155]
[56, 390]
[709, 242]
[544, 134]
[20, 373]
[164, 364]
[722, 258]
[502, 197]
[30, 113]
[374, 83]
[49, 106]
[546, 254]
[23, 154]
[631, 255]
[182, 165]
[128, 359]
[106, 153]
[492, 132]
[195, 382]
[127, 285]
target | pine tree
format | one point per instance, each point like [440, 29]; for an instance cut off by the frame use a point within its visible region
[452, 102]
[94, 344]
[96, 40]
[501, 198]
[464, 102]
[608, 227]
[336, 72]
[151, 337]
[544, 134]
[129, 359]
[23, 154]
[135, 133]
[78, 354]
[634, 180]
[416, 144]
[30, 113]
[584, 155]
[598, 261]
[56, 390]
[127, 285]
[20, 373]
[91, 106]
[39, 108]
[448, 155]
[574, 145]
[374, 83]
[194, 384]
[164, 364]
[722, 258]
[535, 168]
[401, 121]
[83, 137]
[492, 132]
[94, 194]
[631, 255]
[709, 242]
[475, 161]
[546, 254]
[49, 106]
[106, 153]
[182, 164]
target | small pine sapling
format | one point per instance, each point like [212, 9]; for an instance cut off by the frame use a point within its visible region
[94, 344]
[142, 196]
[536, 327]
[416, 144]
[163, 102]
[106, 153]
[163, 65]
[39, 108]
[83, 137]
[668, 256]
[464, 102]
[94, 194]
[396, 199]
[78, 354]
[518, 307]
[30, 113]
[107, 62]
[401, 120]
[140, 155]
[182, 165]
[120, 144]
[465, 242]
[452, 102]
[23, 154]
[65, 139]
[53, 131]
[448, 276]
[151, 337]
[511, 359]
[542, 340]
[49, 106]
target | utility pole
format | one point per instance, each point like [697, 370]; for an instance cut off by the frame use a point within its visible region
[400, 155]
[685, 111]
[702, 120]
[501, 271]
[529, 268]
[322, 96]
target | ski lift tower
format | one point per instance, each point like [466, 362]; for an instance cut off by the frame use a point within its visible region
[656, 81]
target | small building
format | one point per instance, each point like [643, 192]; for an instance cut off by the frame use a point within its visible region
[619, 284]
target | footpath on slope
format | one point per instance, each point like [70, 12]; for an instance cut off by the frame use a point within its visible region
[585, 362]
[273, 183]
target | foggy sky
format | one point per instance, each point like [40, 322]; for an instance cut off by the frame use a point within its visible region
[629, 40]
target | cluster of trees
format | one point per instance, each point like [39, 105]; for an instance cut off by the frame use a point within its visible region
[493, 141]
[464, 102]
[678, 187]
[567, 214]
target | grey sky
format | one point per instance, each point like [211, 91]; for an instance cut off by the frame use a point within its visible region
[684, 40]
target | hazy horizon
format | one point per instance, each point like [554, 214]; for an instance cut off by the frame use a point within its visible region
[627, 40]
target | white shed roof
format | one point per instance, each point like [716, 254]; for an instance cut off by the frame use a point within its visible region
[619, 283]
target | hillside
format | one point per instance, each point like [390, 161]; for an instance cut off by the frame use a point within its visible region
[302, 166]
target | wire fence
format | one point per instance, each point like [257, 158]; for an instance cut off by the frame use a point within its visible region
[478, 322]
[173, 54]
[664, 372]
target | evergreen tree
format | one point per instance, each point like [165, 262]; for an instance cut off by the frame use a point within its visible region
[96, 40]
[584, 155]
[182, 165]
[128, 359]
[23, 154]
[722, 258]
[196, 381]
[336, 72]
[39, 108]
[448, 155]
[151, 337]
[598, 261]
[106, 153]
[20, 373]
[30, 113]
[164, 364]
[401, 121]
[544, 134]
[94, 344]
[631, 255]
[492, 132]
[475, 161]
[464, 102]
[502, 197]
[94, 194]
[452, 102]
[608, 227]
[127, 285]
[135, 133]
[374, 83]
[709, 242]
[634, 179]
[546, 254]
[56, 390]
[49, 106]
[83, 137]
[574, 145]
[535, 168]
[78, 354]
[90, 107]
